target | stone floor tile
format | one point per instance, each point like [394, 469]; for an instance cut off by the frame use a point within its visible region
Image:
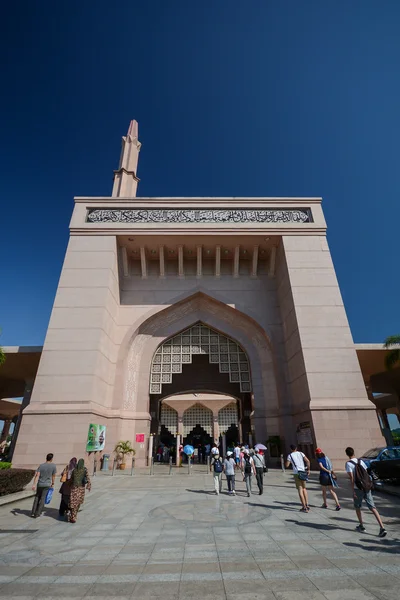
[198, 567]
[162, 568]
[353, 594]
[214, 576]
[299, 595]
[31, 590]
[111, 589]
[157, 589]
[255, 596]
[335, 583]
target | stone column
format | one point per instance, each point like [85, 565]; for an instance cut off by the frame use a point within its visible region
[240, 440]
[215, 429]
[178, 443]
[151, 441]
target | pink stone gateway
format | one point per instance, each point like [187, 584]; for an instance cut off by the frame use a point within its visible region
[194, 320]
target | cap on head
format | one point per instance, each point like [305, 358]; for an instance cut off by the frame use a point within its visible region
[245, 451]
[318, 451]
[257, 449]
[229, 453]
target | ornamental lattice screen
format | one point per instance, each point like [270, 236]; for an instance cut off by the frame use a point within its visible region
[199, 339]
[227, 416]
[197, 415]
[169, 418]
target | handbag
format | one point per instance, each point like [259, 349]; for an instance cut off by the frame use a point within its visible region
[303, 475]
[64, 476]
[85, 479]
[49, 496]
[265, 469]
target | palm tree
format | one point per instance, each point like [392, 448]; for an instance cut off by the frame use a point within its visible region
[2, 355]
[123, 449]
[392, 343]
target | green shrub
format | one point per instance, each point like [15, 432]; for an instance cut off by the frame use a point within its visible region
[14, 480]
[5, 465]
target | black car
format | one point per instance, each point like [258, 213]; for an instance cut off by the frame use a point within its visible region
[383, 463]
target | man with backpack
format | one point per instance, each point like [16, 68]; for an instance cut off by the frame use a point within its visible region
[217, 467]
[362, 485]
[248, 469]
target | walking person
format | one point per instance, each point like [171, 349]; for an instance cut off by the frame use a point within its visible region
[259, 464]
[248, 469]
[80, 480]
[43, 481]
[229, 469]
[301, 466]
[362, 485]
[327, 478]
[237, 455]
[66, 484]
[214, 449]
[216, 467]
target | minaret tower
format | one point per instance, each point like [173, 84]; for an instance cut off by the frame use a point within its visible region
[125, 180]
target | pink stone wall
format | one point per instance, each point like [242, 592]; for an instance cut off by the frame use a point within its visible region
[323, 372]
[105, 327]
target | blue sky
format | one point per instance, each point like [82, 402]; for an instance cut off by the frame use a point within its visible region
[233, 98]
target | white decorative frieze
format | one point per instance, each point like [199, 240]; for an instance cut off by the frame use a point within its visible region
[186, 215]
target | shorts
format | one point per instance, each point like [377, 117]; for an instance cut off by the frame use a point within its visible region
[360, 495]
[237, 460]
[300, 483]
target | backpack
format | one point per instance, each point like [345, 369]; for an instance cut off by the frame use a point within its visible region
[361, 478]
[217, 466]
[247, 466]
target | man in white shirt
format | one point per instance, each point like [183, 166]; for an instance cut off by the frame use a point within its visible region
[301, 466]
[237, 455]
[215, 449]
[361, 494]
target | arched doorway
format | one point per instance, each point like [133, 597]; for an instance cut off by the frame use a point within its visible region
[197, 425]
[141, 402]
[201, 360]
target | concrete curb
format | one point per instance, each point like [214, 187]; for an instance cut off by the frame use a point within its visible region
[10, 498]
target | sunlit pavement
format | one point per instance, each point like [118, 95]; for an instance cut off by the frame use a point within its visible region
[170, 537]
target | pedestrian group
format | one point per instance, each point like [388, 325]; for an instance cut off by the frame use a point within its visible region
[249, 462]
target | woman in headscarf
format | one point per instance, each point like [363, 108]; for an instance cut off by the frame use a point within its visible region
[327, 478]
[66, 483]
[80, 480]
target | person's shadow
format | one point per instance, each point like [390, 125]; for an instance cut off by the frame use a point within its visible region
[320, 526]
[47, 512]
[389, 546]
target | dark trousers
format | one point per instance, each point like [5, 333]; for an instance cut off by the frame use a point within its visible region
[38, 503]
[260, 479]
[63, 505]
[231, 483]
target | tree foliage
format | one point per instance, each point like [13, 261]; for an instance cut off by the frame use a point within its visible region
[392, 343]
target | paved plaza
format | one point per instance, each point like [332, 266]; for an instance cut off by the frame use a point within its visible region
[169, 537]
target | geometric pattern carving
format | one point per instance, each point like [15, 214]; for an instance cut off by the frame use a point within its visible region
[197, 415]
[227, 416]
[199, 339]
[169, 418]
[253, 215]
